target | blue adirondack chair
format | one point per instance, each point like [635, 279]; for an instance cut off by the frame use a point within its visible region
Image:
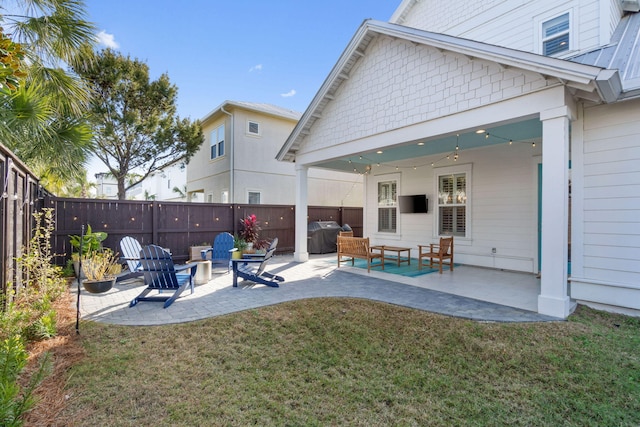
[130, 250]
[221, 250]
[160, 274]
[252, 269]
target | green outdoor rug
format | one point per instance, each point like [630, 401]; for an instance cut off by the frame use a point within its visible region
[392, 268]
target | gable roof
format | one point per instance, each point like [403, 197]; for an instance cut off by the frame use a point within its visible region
[594, 83]
[268, 109]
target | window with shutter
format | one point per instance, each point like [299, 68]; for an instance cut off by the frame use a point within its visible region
[453, 199]
[387, 206]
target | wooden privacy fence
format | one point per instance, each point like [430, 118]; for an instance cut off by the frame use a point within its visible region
[20, 195]
[177, 225]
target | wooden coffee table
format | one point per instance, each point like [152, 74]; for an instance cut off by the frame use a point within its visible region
[385, 251]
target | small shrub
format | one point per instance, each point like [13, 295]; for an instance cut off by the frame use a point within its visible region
[14, 402]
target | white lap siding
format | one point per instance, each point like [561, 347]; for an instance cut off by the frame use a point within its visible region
[608, 261]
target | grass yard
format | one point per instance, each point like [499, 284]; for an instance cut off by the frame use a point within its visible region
[352, 362]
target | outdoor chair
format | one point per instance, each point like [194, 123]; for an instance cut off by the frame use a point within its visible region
[130, 249]
[221, 250]
[439, 252]
[161, 274]
[252, 270]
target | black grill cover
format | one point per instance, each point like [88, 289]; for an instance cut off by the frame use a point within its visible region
[322, 236]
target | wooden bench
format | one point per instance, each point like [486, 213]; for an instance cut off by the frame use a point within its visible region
[357, 247]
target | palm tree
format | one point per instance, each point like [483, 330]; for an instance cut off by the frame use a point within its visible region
[43, 120]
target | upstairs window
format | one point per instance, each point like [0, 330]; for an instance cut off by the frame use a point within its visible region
[253, 128]
[217, 142]
[253, 197]
[555, 35]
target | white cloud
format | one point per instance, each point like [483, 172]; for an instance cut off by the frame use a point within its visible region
[289, 94]
[255, 68]
[107, 40]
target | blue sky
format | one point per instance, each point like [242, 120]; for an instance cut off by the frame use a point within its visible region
[276, 52]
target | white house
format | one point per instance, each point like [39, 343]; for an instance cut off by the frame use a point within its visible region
[236, 163]
[517, 120]
[168, 184]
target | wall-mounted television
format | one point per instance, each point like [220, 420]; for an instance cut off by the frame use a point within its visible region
[417, 203]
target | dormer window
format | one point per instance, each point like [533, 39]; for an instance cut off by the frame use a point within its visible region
[555, 35]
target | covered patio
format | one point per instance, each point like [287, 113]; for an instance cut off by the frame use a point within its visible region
[406, 107]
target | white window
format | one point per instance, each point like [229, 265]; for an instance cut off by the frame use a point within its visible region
[555, 35]
[210, 198]
[453, 189]
[253, 128]
[387, 206]
[217, 142]
[253, 197]
[225, 196]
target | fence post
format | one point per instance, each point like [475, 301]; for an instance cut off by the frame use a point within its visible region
[155, 217]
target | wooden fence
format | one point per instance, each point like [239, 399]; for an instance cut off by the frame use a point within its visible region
[178, 226]
[20, 196]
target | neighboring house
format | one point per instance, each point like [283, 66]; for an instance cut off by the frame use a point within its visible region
[236, 163]
[106, 186]
[496, 111]
[168, 184]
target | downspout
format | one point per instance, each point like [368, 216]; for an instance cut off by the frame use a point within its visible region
[232, 194]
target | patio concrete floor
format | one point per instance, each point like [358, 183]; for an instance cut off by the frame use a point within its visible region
[468, 292]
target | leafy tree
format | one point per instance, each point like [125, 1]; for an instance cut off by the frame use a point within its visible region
[134, 120]
[11, 64]
[42, 116]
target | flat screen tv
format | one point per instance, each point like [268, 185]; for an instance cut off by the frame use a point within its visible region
[417, 203]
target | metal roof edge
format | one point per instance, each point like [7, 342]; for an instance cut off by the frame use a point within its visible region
[609, 85]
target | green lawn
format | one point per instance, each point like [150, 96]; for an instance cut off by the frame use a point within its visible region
[352, 362]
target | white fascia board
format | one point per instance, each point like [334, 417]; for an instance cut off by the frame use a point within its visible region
[351, 49]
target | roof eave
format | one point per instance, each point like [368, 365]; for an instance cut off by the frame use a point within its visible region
[606, 82]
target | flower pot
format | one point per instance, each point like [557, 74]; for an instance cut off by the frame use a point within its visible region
[236, 255]
[98, 286]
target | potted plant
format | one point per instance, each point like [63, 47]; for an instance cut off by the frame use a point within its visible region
[91, 242]
[100, 269]
[250, 232]
[240, 244]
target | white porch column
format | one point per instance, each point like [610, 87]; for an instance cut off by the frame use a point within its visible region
[300, 254]
[553, 299]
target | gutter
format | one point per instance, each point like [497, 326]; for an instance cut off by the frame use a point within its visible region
[609, 85]
[231, 151]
